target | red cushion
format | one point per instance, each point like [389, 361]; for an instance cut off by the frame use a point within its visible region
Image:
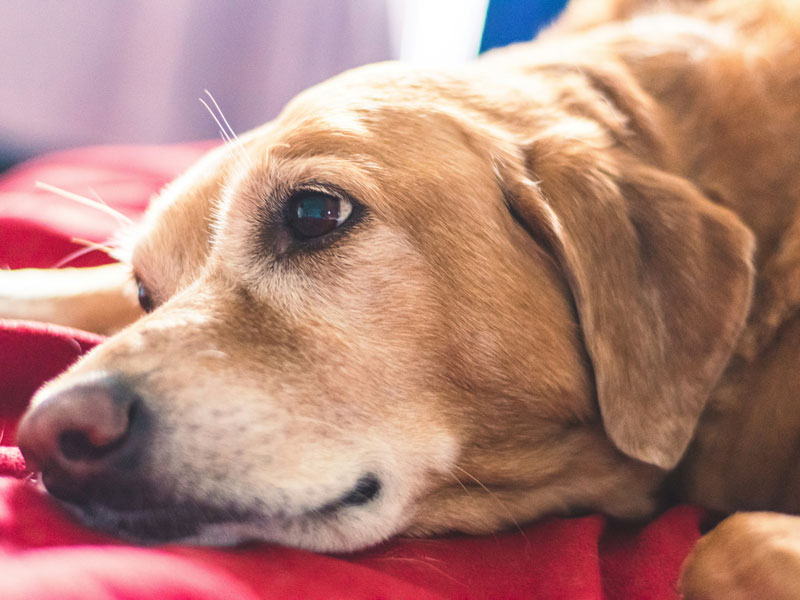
[46, 555]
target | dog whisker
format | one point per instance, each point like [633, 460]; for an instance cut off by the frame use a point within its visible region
[88, 247]
[226, 131]
[105, 248]
[72, 256]
[222, 131]
[225, 136]
[222, 115]
[100, 206]
[497, 499]
[97, 196]
[237, 142]
[461, 483]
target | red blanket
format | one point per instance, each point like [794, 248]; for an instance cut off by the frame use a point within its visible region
[45, 555]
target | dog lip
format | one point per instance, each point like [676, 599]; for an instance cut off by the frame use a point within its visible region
[157, 524]
[367, 489]
[173, 522]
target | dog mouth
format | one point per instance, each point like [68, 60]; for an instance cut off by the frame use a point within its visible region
[157, 525]
[195, 522]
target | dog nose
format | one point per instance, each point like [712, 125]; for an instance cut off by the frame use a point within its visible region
[82, 432]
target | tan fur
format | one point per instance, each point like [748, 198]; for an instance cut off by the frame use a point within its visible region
[99, 299]
[749, 555]
[574, 252]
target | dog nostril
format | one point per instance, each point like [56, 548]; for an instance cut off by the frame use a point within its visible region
[75, 445]
[93, 443]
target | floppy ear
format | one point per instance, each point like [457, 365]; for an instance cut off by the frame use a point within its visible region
[661, 278]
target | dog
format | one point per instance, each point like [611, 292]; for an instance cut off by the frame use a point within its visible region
[565, 277]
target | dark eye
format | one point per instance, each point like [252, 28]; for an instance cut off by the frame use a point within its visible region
[145, 299]
[314, 214]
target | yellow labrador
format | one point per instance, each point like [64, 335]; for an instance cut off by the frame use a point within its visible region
[552, 277]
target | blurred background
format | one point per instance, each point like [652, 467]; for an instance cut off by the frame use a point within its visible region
[79, 72]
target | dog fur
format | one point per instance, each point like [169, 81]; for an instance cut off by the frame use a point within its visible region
[576, 270]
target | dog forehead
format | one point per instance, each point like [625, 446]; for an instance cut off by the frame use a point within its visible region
[388, 134]
[372, 102]
[392, 83]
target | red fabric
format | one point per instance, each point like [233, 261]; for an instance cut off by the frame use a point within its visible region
[44, 555]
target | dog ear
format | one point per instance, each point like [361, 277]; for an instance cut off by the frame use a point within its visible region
[661, 278]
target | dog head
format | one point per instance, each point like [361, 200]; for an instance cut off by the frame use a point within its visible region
[415, 302]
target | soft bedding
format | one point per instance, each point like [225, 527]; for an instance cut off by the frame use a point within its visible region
[45, 555]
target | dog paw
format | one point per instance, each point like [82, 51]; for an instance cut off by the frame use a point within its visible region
[747, 556]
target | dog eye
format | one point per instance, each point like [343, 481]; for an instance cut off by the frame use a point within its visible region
[315, 214]
[145, 299]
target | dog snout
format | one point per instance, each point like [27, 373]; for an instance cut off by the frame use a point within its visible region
[88, 431]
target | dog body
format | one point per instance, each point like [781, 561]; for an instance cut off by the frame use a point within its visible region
[561, 273]
[727, 90]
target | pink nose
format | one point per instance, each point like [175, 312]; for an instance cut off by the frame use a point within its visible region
[81, 432]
